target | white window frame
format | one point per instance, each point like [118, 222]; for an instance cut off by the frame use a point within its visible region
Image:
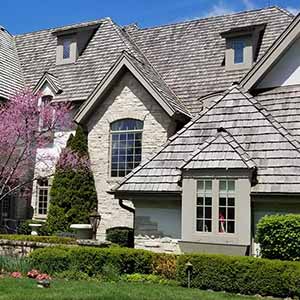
[215, 194]
[40, 188]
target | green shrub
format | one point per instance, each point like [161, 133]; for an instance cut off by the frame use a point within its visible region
[72, 275]
[148, 278]
[73, 192]
[122, 236]
[245, 275]
[279, 237]
[91, 260]
[39, 239]
[14, 264]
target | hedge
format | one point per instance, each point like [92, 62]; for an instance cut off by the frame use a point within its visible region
[39, 239]
[245, 275]
[91, 260]
[279, 237]
[122, 236]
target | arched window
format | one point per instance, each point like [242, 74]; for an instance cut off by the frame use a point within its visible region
[126, 146]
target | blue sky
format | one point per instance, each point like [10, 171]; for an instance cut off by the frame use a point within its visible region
[20, 16]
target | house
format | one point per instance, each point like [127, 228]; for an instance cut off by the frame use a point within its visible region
[192, 127]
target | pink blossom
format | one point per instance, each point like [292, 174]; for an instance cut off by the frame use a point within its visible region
[70, 160]
[16, 275]
[33, 273]
[21, 134]
[43, 276]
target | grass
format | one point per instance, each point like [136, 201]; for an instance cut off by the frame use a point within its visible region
[26, 289]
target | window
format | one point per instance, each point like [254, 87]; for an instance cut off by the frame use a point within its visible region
[238, 46]
[227, 206]
[44, 123]
[126, 146]
[204, 206]
[43, 190]
[66, 48]
[215, 206]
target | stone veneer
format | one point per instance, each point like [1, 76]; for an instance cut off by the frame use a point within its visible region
[164, 244]
[24, 248]
[127, 99]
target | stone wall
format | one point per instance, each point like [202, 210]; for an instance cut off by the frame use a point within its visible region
[24, 248]
[160, 245]
[127, 99]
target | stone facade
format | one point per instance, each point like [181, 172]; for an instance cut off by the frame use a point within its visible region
[127, 99]
[159, 245]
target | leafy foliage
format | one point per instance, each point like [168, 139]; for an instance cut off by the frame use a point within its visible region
[13, 264]
[73, 193]
[122, 236]
[245, 275]
[92, 261]
[279, 237]
[39, 239]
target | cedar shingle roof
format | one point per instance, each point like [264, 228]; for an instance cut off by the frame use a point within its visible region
[272, 149]
[11, 77]
[186, 57]
[190, 55]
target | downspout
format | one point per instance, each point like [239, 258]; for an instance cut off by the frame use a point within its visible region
[131, 210]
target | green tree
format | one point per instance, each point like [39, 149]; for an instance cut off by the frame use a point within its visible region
[73, 193]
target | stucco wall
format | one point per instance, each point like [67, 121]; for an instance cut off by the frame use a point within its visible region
[286, 71]
[127, 99]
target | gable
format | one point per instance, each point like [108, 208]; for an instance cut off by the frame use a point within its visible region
[286, 71]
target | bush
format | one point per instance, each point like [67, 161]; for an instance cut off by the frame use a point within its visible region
[14, 264]
[245, 275]
[279, 237]
[122, 236]
[39, 239]
[73, 192]
[165, 265]
[148, 278]
[92, 260]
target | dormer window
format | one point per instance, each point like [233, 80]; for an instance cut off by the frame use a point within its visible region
[242, 46]
[238, 46]
[66, 48]
[66, 51]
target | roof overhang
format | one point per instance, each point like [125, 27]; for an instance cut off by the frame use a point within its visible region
[123, 63]
[271, 57]
[47, 78]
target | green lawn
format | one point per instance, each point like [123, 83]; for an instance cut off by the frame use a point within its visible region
[26, 289]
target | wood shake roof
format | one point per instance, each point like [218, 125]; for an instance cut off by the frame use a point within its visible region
[260, 137]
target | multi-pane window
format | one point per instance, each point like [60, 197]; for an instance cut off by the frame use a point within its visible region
[204, 206]
[227, 206]
[45, 100]
[126, 146]
[238, 46]
[66, 48]
[42, 196]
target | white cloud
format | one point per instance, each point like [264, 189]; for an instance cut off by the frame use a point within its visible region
[219, 9]
[293, 10]
[249, 5]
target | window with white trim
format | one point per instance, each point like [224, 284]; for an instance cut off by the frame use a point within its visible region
[126, 146]
[238, 46]
[226, 206]
[43, 196]
[66, 48]
[45, 101]
[204, 206]
[215, 206]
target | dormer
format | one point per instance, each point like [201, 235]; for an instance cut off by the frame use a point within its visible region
[73, 40]
[242, 46]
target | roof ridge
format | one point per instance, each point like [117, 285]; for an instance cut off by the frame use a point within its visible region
[86, 23]
[225, 134]
[211, 17]
[277, 125]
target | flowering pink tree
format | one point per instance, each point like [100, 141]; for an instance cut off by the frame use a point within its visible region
[25, 126]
